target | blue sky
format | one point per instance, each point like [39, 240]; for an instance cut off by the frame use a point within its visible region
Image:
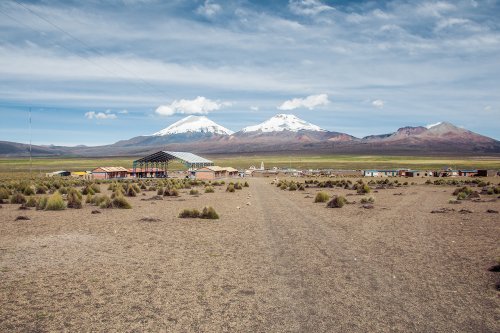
[96, 73]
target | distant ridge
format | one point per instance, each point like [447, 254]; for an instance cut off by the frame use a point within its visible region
[281, 133]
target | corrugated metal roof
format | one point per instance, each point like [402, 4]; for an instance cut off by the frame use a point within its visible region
[230, 169]
[188, 157]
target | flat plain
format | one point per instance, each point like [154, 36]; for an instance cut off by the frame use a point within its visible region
[275, 261]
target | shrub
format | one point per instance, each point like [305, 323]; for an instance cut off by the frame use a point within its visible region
[490, 191]
[363, 189]
[55, 202]
[189, 213]
[31, 202]
[89, 198]
[301, 187]
[74, 199]
[194, 192]
[461, 196]
[292, 187]
[160, 191]
[28, 191]
[321, 197]
[428, 182]
[237, 186]
[173, 192]
[17, 198]
[120, 202]
[41, 203]
[63, 190]
[4, 193]
[209, 189]
[496, 190]
[209, 213]
[131, 191]
[230, 188]
[87, 190]
[41, 189]
[246, 184]
[283, 186]
[105, 201]
[367, 200]
[337, 202]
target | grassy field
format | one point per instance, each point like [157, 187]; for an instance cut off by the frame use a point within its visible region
[14, 167]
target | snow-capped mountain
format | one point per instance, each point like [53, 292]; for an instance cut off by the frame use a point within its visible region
[194, 124]
[283, 122]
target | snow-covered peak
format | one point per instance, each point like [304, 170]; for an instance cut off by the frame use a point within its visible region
[283, 122]
[194, 124]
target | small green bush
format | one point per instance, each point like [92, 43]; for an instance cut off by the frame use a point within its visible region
[367, 200]
[28, 191]
[41, 189]
[4, 193]
[63, 190]
[131, 191]
[462, 196]
[55, 202]
[17, 198]
[31, 202]
[337, 202]
[230, 188]
[171, 192]
[209, 213]
[189, 213]
[364, 189]
[120, 202]
[74, 199]
[283, 186]
[321, 197]
[160, 191]
[209, 189]
[238, 186]
[105, 201]
[194, 192]
[246, 184]
[41, 203]
[292, 187]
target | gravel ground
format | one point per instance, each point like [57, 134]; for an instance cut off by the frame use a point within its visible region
[274, 262]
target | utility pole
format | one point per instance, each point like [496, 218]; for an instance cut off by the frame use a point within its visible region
[31, 161]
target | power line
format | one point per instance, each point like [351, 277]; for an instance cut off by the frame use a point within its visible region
[161, 93]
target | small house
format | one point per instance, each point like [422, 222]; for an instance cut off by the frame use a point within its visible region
[210, 172]
[467, 173]
[147, 173]
[231, 172]
[371, 173]
[109, 172]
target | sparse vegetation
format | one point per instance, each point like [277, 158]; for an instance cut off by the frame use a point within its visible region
[209, 213]
[194, 192]
[209, 189]
[367, 200]
[55, 202]
[74, 199]
[230, 188]
[17, 198]
[337, 201]
[189, 213]
[321, 197]
[120, 202]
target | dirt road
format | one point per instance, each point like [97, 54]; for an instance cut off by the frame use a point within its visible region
[279, 264]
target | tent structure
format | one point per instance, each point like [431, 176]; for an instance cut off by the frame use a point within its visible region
[161, 159]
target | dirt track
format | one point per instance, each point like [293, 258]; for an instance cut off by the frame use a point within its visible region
[280, 264]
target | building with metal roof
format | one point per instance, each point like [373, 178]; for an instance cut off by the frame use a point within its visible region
[161, 159]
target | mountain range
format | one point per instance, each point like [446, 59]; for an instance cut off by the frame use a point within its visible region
[284, 133]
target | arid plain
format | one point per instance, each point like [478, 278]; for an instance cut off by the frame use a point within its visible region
[275, 261]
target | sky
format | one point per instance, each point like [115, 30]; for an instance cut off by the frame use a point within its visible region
[95, 72]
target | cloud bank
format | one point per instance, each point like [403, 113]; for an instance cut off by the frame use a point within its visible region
[310, 102]
[199, 105]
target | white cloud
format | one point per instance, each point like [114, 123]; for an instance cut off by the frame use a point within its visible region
[309, 102]
[199, 105]
[378, 103]
[307, 7]
[209, 9]
[435, 8]
[123, 112]
[254, 108]
[450, 22]
[100, 115]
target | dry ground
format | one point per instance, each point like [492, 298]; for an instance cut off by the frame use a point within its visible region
[280, 264]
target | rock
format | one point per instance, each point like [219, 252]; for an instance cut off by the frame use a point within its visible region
[150, 219]
[464, 211]
[442, 210]
[24, 208]
[248, 203]
[368, 206]
[95, 211]
[474, 195]
[22, 218]
[492, 211]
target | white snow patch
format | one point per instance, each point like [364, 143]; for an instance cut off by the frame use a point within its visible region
[283, 122]
[194, 124]
[433, 125]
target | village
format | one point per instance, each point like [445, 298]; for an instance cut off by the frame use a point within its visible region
[200, 168]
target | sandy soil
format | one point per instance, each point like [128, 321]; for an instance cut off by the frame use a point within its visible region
[280, 264]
